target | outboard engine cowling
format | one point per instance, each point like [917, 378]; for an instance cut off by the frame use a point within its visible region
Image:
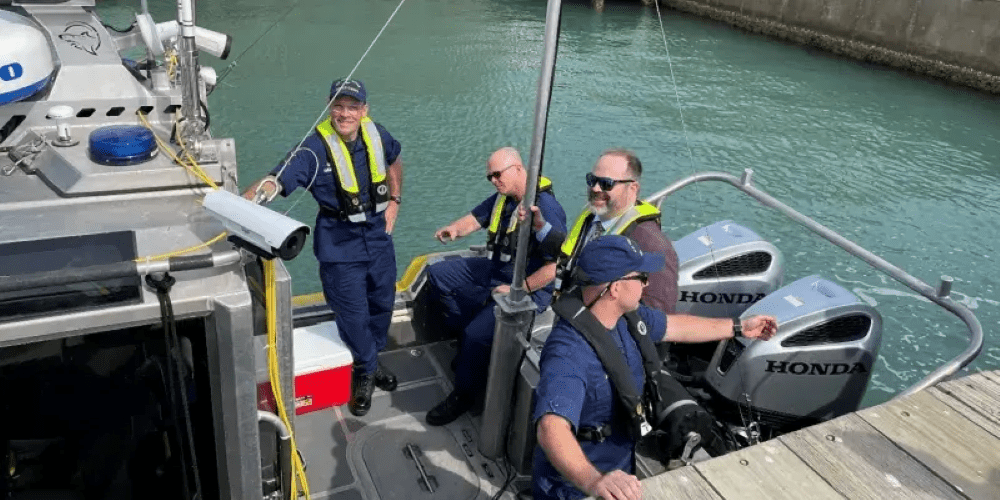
[725, 268]
[25, 58]
[816, 368]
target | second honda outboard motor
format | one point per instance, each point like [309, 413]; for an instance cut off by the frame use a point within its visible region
[816, 367]
[725, 268]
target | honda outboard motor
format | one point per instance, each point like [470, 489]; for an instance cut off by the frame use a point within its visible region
[725, 268]
[816, 368]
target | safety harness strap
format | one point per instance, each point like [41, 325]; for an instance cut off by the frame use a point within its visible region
[571, 308]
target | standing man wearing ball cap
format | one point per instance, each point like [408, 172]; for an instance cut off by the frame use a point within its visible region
[586, 444]
[353, 169]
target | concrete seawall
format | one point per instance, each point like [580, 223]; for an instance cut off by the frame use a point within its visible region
[955, 40]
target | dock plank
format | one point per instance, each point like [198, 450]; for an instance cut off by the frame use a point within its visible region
[952, 446]
[966, 411]
[993, 375]
[976, 391]
[681, 484]
[973, 403]
[859, 462]
[766, 471]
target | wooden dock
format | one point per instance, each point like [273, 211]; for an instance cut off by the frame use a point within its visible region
[943, 442]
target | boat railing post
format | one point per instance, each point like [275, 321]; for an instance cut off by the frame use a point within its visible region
[516, 310]
[944, 289]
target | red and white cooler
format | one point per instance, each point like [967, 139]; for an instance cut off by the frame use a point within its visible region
[322, 369]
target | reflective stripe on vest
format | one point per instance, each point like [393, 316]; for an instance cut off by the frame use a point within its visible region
[347, 187]
[496, 238]
[641, 212]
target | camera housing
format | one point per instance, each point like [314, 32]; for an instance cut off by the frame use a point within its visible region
[258, 229]
[156, 34]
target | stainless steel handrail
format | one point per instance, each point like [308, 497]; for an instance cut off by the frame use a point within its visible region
[938, 296]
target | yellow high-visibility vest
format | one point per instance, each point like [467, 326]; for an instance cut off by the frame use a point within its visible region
[347, 186]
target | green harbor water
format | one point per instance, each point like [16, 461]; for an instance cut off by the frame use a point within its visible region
[905, 166]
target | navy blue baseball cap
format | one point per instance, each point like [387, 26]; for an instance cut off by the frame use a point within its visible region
[351, 88]
[609, 258]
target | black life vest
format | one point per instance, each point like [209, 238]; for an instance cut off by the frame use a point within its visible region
[637, 407]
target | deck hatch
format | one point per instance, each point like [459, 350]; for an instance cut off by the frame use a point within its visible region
[24, 258]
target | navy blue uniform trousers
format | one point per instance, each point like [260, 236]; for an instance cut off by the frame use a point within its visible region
[464, 288]
[363, 319]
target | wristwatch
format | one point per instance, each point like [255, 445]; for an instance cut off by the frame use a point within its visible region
[397, 199]
[737, 328]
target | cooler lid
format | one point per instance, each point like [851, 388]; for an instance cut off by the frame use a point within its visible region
[319, 347]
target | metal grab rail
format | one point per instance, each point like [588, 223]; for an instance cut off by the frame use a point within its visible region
[938, 296]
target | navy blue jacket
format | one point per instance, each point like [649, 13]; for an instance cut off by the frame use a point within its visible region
[573, 385]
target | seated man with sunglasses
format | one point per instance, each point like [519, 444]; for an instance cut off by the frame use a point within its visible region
[586, 440]
[463, 287]
[614, 207]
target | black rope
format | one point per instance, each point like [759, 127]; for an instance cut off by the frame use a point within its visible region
[232, 65]
[162, 283]
[119, 30]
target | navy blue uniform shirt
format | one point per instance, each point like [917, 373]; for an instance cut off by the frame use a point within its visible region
[337, 240]
[553, 213]
[574, 385]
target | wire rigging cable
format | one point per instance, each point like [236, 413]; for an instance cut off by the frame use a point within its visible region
[697, 188]
[232, 65]
[326, 109]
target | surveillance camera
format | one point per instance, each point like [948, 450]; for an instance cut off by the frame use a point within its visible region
[257, 228]
[213, 42]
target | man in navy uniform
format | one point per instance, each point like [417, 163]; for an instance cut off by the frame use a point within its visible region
[575, 395]
[463, 287]
[353, 169]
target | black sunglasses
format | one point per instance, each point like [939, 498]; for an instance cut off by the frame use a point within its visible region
[492, 176]
[606, 183]
[641, 277]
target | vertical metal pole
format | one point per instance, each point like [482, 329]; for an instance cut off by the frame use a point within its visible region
[190, 99]
[552, 15]
[515, 311]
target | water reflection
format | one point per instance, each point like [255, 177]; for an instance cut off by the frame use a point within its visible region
[905, 166]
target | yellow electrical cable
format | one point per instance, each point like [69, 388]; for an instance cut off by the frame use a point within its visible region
[171, 64]
[163, 256]
[198, 172]
[193, 167]
[184, 148]
[271, 303]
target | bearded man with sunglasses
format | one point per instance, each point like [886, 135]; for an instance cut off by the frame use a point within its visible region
[463, 288]
[586, 445]
[614, 207]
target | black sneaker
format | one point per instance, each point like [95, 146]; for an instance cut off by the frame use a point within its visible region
[362, 387]
[448, 410]
[385, 379]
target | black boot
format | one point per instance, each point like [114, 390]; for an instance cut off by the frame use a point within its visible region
[385, 379]
[362, 387]
[448, 410]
